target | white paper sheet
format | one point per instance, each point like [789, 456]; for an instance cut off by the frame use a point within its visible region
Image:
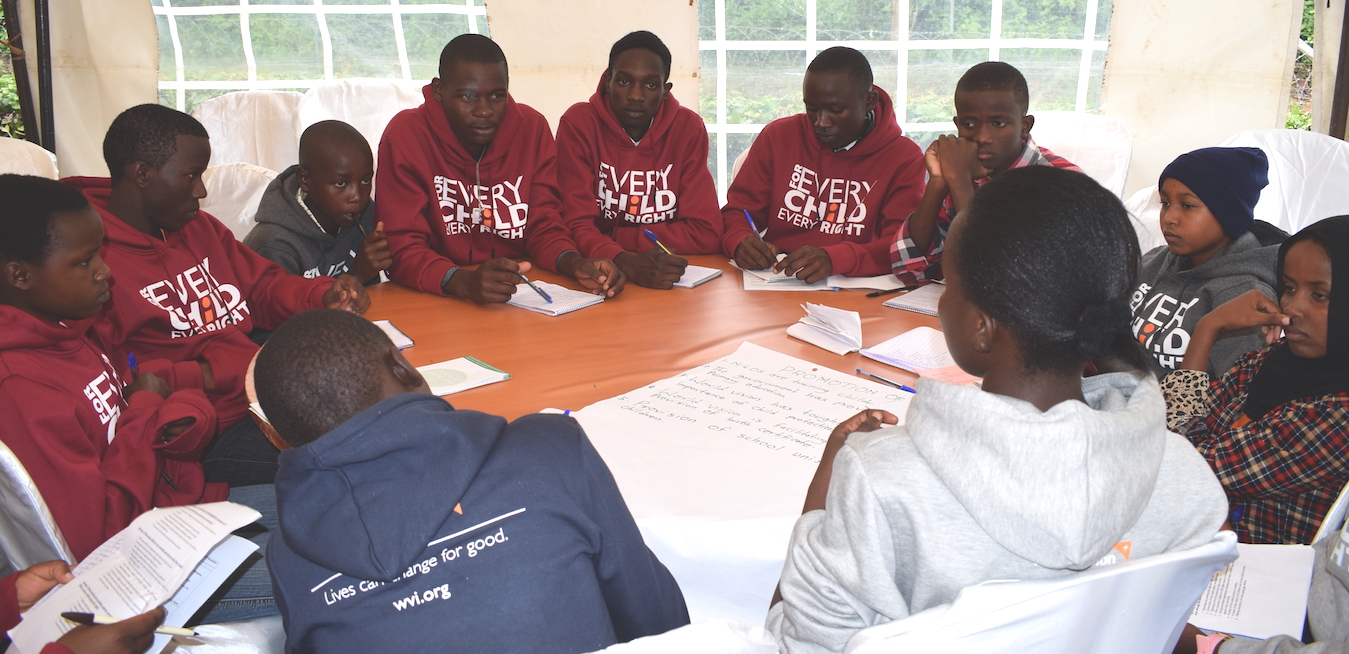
[879, 282]
[565, 300]
[456, 375]
[210, 574]
[836, 330]
[1260, 595]
[140, 568]
[753, 282]
[714, 464]
[922, 300]
[695, 275]
[914, 350]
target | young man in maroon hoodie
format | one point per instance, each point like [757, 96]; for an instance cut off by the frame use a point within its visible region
[829, 187]
[186, 290]
[633, 160]
[470, 178]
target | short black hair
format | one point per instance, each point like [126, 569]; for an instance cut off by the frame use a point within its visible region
[471, 48]
[647, 41]
[317, 370]
[146, 133]
[325, 136]
[26, 215]
[1051, 255]
[997, 76]
[842, 59]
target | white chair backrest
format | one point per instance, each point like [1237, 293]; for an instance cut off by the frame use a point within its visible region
[716, 636]
[1145, 211]
[1308, 176]
[1100, 145]
[367, 104]
[256, 127]
[233, 191]
[28, 532]
[20, 157]
[1133, 607]
[1334, 517]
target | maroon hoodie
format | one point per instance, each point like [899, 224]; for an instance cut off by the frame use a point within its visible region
[94, 454]
[613, 188]
[195, 295]
[442, 209]
[849, 203]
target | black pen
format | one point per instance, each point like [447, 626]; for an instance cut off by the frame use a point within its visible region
[538, 290]
[892, 290]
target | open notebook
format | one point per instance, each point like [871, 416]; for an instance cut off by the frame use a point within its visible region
[565, 300]
[460, 374]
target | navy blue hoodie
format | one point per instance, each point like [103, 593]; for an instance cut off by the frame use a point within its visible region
[375, 555]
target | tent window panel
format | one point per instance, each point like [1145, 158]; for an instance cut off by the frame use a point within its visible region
[858, 20]
[362, 45]
[1043, 19]
[950, 19]
[1051, 75]
[763, 85]
[1097, 75]
[765, 20]
[426, 36]
[213, 47]
[287, 46]
[168, 70]
[932, 83]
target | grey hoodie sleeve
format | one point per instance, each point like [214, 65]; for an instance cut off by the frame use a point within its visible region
[839, 574]
[1231, 345]
[265, 239]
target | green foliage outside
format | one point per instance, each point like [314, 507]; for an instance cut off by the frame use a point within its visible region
[1299, 100]
[11, 123]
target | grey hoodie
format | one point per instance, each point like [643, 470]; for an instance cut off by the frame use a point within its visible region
[1169, 301]
[287, 235]
[978, 486]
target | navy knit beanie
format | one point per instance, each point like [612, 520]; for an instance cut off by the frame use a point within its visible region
[1227, 180]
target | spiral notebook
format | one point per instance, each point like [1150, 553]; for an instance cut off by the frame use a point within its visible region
[565, 300]
[460, 374]
[922, 300]
[695, 275]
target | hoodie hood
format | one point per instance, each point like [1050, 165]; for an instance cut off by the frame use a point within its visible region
[884, 130]
[20, 330]
[280, 207]
[660, 124]
[1243, 256]
[413, 456]
[99, 191]
[1075, 478]
[434, 115]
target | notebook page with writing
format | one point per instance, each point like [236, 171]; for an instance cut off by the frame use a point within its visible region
[565, 300]
[914, 350]
[922, 300]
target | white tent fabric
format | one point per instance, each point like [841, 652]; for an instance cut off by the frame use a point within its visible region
[1100, 145]
[19, 157]
[366, 104]
[233, 191]
[256, 127]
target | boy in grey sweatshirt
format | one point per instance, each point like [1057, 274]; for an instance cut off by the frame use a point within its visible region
[1209, 258]
[1040, 474]
[316, 218]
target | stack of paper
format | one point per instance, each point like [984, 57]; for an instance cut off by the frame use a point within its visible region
[565, 300]
[400, 340]
[174, 556]
[878, 283]
[695, 275]
[460, 374]
[922, 300]
[1261, 595]
[763, 280]
[833, 329]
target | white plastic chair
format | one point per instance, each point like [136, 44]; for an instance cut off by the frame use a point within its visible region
[718, 636]
[233, 191]
[1136, 607]
[256, 127]
[1334, 517]
[28, 532]
[368, 104]
[1145, 211]
[20, 157]
[1100, 145]
[1308, 176]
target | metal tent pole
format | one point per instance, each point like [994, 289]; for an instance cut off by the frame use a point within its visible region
[44, 74]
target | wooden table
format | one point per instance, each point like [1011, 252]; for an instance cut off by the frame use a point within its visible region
[643, 335]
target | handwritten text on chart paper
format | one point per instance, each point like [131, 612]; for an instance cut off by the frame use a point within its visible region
[774, 401]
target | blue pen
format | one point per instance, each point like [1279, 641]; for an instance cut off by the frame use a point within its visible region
[750, 220]
[656, 241]
[885, 381]
[131, 361]
[547, 298]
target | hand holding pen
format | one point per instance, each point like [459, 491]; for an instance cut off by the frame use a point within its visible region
[754, 253]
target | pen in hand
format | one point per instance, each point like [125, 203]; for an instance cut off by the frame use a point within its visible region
[91, 619]
[655, 240]
[131, 362]
[538, 290]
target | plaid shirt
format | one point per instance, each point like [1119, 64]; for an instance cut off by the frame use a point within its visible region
[1283, 471]
[911, 263]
